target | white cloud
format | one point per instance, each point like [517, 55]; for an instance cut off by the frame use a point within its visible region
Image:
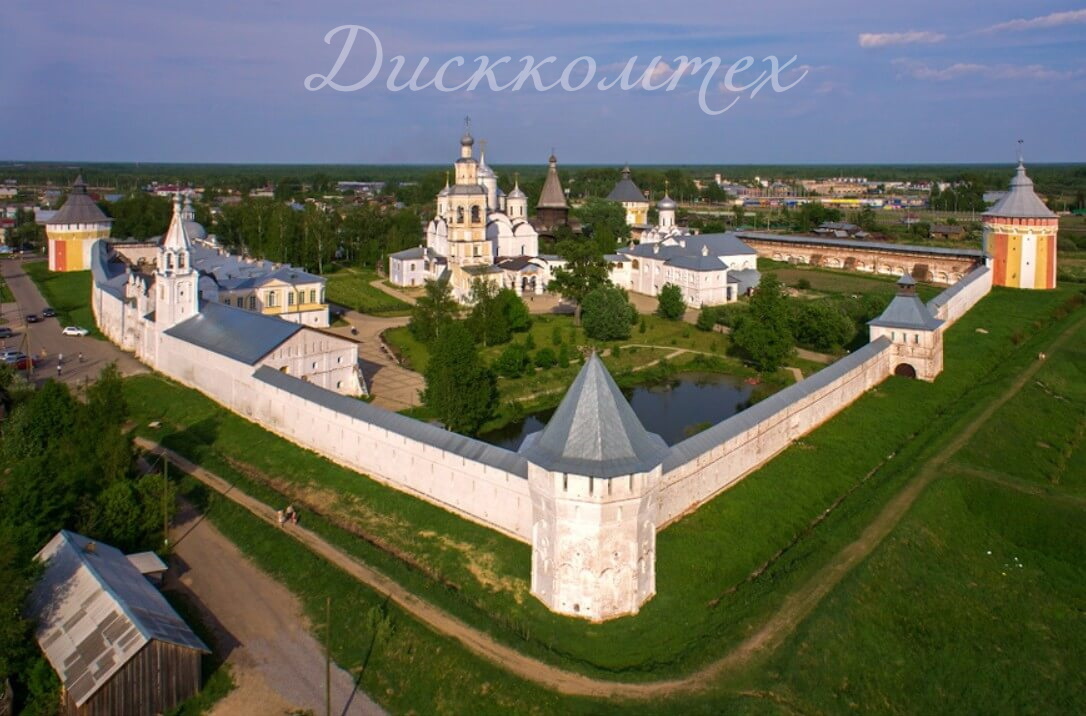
[886, 39]
[922, 71]
[1056, 19]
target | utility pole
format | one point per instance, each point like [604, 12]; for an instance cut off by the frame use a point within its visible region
[165, 510]
[328, 657]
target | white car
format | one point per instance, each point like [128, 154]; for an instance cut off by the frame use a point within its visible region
[74, 331]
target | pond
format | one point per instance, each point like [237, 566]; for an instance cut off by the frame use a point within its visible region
[675, 409]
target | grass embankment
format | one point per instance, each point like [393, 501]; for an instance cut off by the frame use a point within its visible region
[68, 293]
[5, 293]
[350, 287]
[699, 612]
[974, 603]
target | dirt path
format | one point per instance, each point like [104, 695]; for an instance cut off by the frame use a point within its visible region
[795, 608]
[276, 662]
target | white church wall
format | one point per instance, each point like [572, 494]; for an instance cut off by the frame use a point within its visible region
[688, 485]
[955, 302]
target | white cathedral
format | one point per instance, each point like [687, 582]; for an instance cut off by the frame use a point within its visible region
[478, 232]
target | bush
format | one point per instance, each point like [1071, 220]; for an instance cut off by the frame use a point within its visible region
[804, 284]
[529, 342]
[605, 314]
[563, 355]
[545, 358]
[731, 314]
[513, 361]
[706, 318]
[643, 326]
[556, 335]
[820, 325]
[617, 350]
[671, 305]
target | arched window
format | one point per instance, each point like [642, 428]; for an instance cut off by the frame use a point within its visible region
[475, 214]
[460, 215]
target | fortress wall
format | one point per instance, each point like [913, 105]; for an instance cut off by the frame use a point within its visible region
[484, 493]
[710, 462]
[955, 302]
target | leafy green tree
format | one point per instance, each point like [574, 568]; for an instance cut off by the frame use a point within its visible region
[514, 309]
[607, 314]
[545, 358]
[556, 335]
[706, 318]
[460, 389]
[434, 311]
[605, 222]
[487, 321]
[513, 361]
[671, 305]
[820, 325]
[764, 332]
[563, 355]
[585, 270]
[139, 215]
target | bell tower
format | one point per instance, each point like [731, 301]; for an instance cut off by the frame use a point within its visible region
[176, 294]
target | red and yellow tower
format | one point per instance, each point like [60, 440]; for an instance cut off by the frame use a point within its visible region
[1020, 237]
[73, 230]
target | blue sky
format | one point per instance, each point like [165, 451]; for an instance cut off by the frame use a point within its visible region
[922, 81]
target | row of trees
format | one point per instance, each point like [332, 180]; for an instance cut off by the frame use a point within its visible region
[67, 463]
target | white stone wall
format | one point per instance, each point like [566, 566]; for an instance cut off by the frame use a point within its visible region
[490, 496]
[689, 485]
[955, 302]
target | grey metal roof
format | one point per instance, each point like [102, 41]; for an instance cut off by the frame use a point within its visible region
[467, 190]
[418, 252]
[728, 244]
[697, 445]
[746, 278]
[431, 435]
[594, 431]
[79, 208]
[1021, 201]
[109, 274]
[907, 311]
[234, 332]
[95, 611]
[552, 196]
[235, 273]
[851, 244]
[147, 562]
[697, 263]
[626, 190]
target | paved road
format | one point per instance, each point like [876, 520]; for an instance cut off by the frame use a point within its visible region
[46, 335]
[277, 664]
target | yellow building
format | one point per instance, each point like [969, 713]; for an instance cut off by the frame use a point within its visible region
[73, 230]
[632, 199]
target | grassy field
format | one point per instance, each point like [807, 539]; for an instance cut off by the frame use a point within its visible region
[831, 281]
[351, 287]
[67, 293]
[697, 613]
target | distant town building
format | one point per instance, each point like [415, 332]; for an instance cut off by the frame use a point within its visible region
[1020, 236]
[113, 639]
[74, 229]
[947, 231]
[369, 188]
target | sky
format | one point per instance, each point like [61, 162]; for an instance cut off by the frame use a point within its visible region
[871, 82]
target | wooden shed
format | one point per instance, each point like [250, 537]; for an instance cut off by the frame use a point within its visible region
[113, 639]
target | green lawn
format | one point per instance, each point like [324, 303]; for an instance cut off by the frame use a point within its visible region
[698, 612]
[67, 293]
[832, 281]
[5, 293]
[351, 287]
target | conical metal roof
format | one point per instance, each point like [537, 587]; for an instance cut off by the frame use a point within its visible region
[552, 196]
[79, 207]
[626, 190]
[595, 432]
[1021, 202]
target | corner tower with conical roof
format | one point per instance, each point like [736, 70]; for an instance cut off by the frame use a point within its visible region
[1020, 237]
[73, 230]
[594, 474]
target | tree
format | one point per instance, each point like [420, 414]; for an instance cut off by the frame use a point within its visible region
[487, 321]
[514, 309]
[139, 215]
[707, 318]
[513, 361]
[740, 213]
[604, 223]
[545, 358]
[671, 305]
[460, 390]
[607, 314]
[435, 310]
[585, 270]
[820, 325]
[764, 332]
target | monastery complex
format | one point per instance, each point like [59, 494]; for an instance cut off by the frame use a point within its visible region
[590, 491]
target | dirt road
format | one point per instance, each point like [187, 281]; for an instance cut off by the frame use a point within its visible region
[277, 664]
[795, 608]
